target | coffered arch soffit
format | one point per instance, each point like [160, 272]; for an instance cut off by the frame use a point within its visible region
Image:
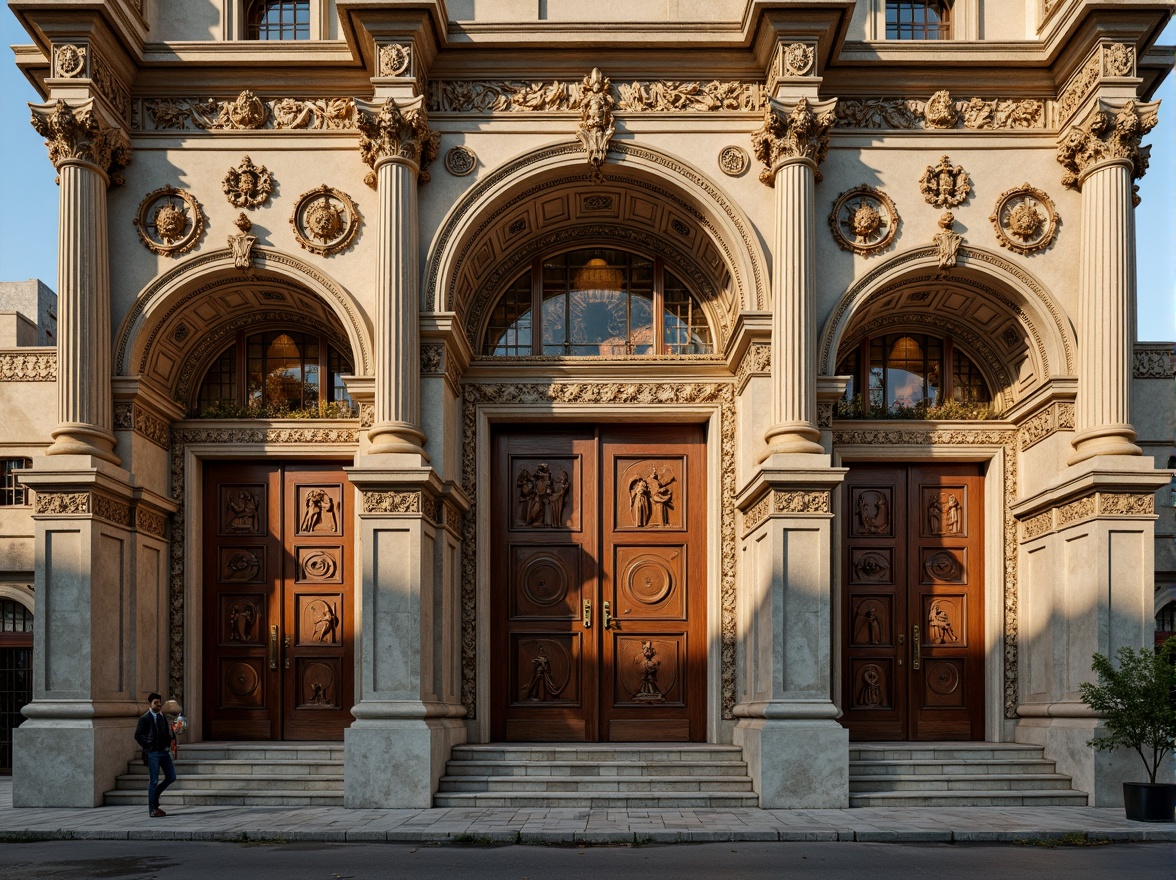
[186, 316]
[1017, 333]
[546, 200]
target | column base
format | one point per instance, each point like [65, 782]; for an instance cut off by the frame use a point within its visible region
[394, 438]
[791, 438]
[1104, 440]
[1100, 774]
[801, 763]
[395, 763]
[69, 762]
[79, 439]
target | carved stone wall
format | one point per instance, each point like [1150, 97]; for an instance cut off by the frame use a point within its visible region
[721, 394]
[19, 366]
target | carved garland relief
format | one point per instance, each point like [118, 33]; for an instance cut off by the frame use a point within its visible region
[38, 367]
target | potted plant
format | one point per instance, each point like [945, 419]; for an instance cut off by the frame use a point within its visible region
[1135, 698]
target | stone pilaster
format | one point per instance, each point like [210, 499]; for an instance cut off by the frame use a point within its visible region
[791, 145]
[396, 142]
[87, 154]
[407, 718]
[1102, 157]
[796, 751]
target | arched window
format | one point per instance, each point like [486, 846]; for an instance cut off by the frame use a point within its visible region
[278, 20]
[918, 20]
[275, 370]
[911, 370]
[597, 302]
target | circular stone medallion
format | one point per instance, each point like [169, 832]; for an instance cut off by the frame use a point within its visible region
[733, 160]
[460, 161]
[1025, 220]
[169, 221]
[864, 220]
[325, 220]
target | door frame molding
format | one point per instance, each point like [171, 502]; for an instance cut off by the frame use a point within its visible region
[995, 455]
[296, 444]
[555, 414]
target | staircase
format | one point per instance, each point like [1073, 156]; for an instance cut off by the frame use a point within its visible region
[621, 775]
[244, 774]
[955, 775]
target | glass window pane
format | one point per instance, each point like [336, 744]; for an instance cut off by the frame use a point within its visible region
[684, 326]
[967, 382]
[220, 382]
[509, 330]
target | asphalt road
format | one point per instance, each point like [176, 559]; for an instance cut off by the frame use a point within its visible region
[133, 860]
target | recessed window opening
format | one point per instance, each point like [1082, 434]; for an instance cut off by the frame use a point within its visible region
[278, 20]
[918, 20]
[601, 302]
[12, 493]
[276, 370]
[911, 370]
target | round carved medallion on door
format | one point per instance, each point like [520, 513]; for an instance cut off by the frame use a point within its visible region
[543, 580]
[943, 681]
[241, 682]
[318, 685]
[648, 581]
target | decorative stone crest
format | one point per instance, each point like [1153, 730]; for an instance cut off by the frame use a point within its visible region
[248, 185]
[325, 220]
[169, 221]
[864, 220]
[945, 185]
[596, 126]
[396, 131]
[460, 161]
[1118, 59]
[242, 244]
[940, 110]
[1104, 137]
[733, 160]
[801, 134]
[798, 59]
[69, 60]
[76, 133]
[246, 112]
[947, 241]
[395, 60]
[1025, 220]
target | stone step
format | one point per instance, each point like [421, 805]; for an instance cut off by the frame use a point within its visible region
[947, 768]
[976, 798]
[580, 800]
[602, 753]
[593, 784]
[962, 782]
[245, 782]
[261, 752]
[189, 767]
[227, 797]
[592, 768]
[943, 752]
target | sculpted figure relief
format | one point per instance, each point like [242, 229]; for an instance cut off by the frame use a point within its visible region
[596, 119]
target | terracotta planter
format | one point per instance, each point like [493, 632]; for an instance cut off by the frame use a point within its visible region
[1149, 801]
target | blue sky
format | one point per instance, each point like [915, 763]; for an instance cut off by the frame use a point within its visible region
[28, 226]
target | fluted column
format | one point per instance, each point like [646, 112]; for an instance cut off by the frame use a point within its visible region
[84, 151]
[791, 144]
[396, 142]
[1103, 157]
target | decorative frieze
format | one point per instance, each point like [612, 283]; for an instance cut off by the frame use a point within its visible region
[1058, 417]
[941, 112]
[128, 417]
[1104, 137]
[785, 501]
[1147, 363]
[449, 517]
[75, 133]
[392, 502]
[801, 133]
[111, 510]
[69, 60]
[1102, 505]
[432, 358]
[151, 523]
[757, 361]
[1025, 220]
[641, 96]
[246, 111]
[40, 366]
[61, 502]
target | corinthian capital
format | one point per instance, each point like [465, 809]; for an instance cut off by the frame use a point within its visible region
[799, 133]
[1111, 132]
[74, 132]
[390, 130]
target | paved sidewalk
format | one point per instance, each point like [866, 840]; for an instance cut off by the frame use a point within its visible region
[569, 826]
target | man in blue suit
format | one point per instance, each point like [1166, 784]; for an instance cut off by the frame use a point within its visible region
[154, 733]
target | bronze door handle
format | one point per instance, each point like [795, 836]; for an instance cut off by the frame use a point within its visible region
[273, 647]
[915, 647]
[607, 615]
[587, 614]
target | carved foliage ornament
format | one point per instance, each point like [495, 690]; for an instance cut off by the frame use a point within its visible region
[945, 185]
[169, 221]
[596, 126]
[325, 220]
[733, 160]
[22, 367]
[643, 96]
[864, 220]
[391, 130]
[1025, 220]
[242, 243]
[248, 185]
[391, 502]
[802, 133]
[245, 111]
[70, 60]
[940, 112]
[76, 133]
[1104, 137]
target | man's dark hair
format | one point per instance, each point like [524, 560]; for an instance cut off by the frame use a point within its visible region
[151, 698]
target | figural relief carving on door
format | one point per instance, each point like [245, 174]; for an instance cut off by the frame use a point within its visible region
[543, 495]
[319, 509]
[871, 689]
[242, 510]
[318, 620]
[871, 621]
[650, 490]
[550, 673]
[242, 566]
[317, 684]
[945, 623]
[872, 566]
[649, 670]
[944, 512]
[871, 512]
[242, 618]
[542, 685]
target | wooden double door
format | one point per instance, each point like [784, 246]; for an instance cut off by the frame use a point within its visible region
[278, 574]
[598, 596]
[912, 603]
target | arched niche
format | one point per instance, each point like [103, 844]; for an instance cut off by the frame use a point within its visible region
[547, 200]
[186, 316]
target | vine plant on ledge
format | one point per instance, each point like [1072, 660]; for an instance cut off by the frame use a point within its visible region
[948, 410]
[336, 409]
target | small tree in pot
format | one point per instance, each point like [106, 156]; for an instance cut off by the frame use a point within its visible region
[1136, 701]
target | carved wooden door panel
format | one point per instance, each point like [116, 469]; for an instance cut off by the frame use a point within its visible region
[598, 584]
[653, 584]
[912, 622]
[278, 567]
[544, 585]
